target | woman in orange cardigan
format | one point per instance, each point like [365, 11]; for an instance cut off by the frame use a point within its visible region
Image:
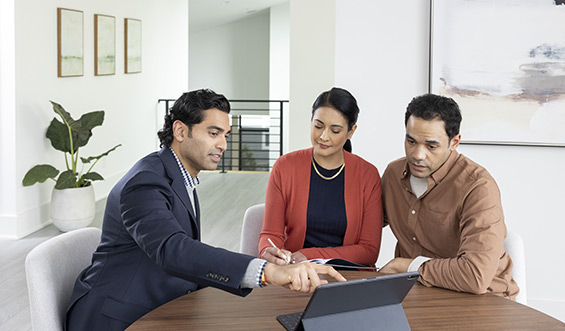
[324, 202]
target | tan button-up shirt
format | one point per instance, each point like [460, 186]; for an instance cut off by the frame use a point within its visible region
[458, 222]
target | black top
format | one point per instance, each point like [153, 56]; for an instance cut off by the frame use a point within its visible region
[326, 220]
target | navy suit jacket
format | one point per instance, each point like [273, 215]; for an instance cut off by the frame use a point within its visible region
[150, 251]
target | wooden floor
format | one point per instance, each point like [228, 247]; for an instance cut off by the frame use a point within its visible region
[223, 201]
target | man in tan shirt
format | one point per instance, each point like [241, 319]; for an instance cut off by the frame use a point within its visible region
[445, 209]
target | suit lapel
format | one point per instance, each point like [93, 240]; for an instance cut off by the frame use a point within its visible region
[180, 190]
[177, 184]
[197, 218]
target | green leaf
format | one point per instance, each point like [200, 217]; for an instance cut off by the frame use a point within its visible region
[90, 158]
[91, 120]
[92, 176]
[81, 138]
[39, 174]
[82, 129]
[58, 134]
[57, 108]
[67, 179]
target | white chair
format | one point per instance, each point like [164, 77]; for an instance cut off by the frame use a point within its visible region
[514, 246]
[51, 270]
[252, 225]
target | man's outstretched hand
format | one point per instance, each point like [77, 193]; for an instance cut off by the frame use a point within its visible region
[301, 277]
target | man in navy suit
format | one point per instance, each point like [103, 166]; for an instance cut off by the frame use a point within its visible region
[150, 251]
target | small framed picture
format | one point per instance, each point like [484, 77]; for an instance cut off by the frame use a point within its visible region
[104, 45]
[70, 43]
[132, 37]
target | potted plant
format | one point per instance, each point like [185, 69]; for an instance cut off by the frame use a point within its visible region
[72, 201]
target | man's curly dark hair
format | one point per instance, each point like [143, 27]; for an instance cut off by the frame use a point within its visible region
[189, 109]
[432, 106]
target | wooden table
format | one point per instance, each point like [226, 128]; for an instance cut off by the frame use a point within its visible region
[426, 309]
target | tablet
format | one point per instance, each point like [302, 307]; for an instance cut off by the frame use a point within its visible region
[361, 304]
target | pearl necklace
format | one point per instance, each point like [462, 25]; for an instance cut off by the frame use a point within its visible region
[324, 177]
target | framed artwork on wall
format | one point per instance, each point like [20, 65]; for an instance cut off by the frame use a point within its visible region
[504, 64]
[70, 54]
[132, 37]
[104, 45]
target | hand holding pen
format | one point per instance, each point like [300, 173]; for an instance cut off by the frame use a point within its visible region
[276, 255]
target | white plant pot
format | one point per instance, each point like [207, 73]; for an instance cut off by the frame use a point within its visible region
[72, 208]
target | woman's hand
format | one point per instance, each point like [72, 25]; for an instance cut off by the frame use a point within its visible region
[277, 256]
[301, 277]
[297, 257]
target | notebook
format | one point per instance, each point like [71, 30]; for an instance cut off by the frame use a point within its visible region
[361, 304]
[341, 264]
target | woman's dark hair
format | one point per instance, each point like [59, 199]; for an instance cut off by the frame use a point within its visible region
[342, 101]
[189, 109]
[431, 106]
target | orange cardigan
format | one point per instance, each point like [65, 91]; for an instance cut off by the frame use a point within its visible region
[287, 201]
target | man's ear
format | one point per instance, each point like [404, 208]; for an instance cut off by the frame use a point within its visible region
[455, 142]
[180, 131]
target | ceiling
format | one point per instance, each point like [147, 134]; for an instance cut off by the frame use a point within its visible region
[204, 14]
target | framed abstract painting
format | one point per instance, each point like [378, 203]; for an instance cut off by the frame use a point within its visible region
[132, 37]
[503, 61]
[104, 45]
[70, 54]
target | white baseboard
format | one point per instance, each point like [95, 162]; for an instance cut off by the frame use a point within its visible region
[554, 309]
[8, 227]
[16, 227]
[21, 225]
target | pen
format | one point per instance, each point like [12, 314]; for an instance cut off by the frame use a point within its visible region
[286, 258]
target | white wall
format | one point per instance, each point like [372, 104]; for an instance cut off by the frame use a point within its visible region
[279, 54]
[232, 59]
[382, 58]
[130, 101]
[8, 212]
[312, 62]
[279, 72]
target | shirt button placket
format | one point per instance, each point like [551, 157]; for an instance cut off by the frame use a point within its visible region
[413, 221]
[413, 212]
[413, 215]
